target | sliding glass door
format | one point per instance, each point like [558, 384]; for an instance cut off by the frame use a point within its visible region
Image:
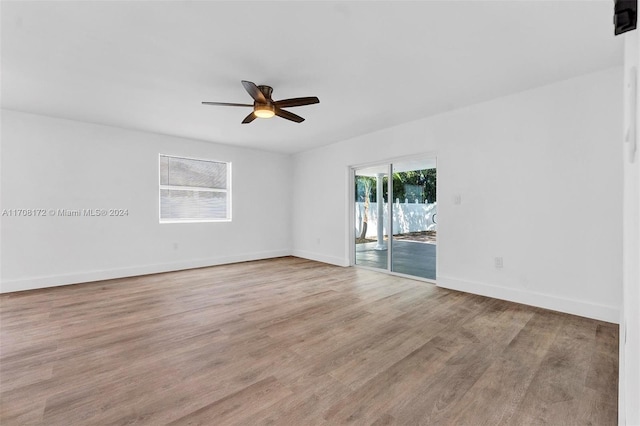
[406, 204]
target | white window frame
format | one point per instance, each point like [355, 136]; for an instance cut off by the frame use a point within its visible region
[192, 188]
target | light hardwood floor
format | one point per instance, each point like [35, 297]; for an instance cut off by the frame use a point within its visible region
[294, 342]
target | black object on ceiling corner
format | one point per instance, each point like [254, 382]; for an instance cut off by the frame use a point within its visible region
[625, 16]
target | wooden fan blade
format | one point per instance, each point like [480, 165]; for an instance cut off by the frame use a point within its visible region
[288, 115]
[294, 102]
[253, 90]
[249, 118]
[226, 104]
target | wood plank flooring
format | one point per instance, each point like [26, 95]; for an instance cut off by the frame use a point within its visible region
[294, 342]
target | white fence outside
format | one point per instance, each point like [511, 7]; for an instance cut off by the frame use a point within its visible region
[407, 217]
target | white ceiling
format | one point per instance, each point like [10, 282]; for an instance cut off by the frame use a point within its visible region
[148, 65]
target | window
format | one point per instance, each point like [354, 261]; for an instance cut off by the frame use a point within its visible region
[194, 190]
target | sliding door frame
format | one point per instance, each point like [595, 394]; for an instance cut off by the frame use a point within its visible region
[351, 243]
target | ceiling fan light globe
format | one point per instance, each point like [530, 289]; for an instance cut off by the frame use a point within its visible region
[264, 111]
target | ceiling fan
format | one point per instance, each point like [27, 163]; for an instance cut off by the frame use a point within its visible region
[265, 107]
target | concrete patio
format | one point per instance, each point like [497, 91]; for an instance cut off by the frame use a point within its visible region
[409, 257]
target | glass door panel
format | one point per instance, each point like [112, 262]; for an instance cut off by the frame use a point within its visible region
[371, 216]
[413, 244]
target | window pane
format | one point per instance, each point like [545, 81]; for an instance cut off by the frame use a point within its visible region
[164, 170]
[187, 204]
[186, 189]
[198, 173]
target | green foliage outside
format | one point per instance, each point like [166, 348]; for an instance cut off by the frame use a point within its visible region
[414, 184]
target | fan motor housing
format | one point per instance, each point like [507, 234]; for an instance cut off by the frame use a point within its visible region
[266, 91]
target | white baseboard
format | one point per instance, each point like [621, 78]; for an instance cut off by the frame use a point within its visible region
[332, 260]
[575, 307]
[32, 283]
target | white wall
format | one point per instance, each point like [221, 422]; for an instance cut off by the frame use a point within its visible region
[50, 163]
[554, 146]
[629, 383]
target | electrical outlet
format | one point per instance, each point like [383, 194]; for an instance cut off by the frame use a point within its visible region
[457, 199]
[317, 240]
[498, 262]
[175, 246]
